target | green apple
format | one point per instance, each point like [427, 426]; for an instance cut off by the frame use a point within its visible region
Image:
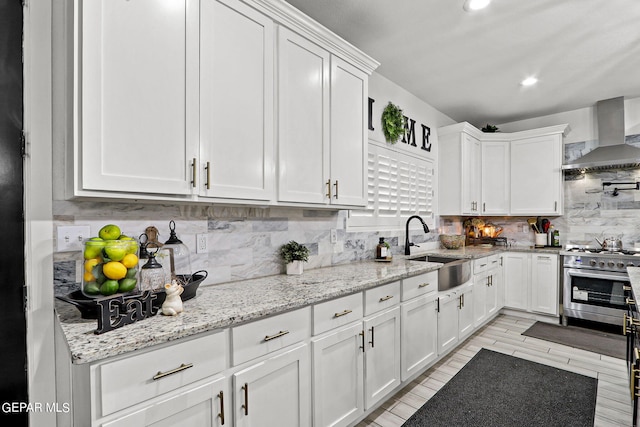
[115, 250]
[132, 246]
[109, 232]
[93, 247]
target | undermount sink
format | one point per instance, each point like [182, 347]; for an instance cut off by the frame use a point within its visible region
[454, 272]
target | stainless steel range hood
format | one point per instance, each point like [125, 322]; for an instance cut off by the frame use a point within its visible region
[612, 152]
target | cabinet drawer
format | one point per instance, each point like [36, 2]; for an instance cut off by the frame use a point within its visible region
[421, 284]
[273, 333]
[131, 380]
[480, 265]
[494, 262]
[382, 297]
[337, 312]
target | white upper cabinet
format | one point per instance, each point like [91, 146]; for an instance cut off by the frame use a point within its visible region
[500, 174]
[137, 96]
[203, 101]
[236, 101]
[536, 177]
[495, 177]
[460, 170]
[349, 92]
[303, 122]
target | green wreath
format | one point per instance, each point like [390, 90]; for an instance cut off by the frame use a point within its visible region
[392, 123]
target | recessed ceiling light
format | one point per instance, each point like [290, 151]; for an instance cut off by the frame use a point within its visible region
[470, 5]
[529, 81]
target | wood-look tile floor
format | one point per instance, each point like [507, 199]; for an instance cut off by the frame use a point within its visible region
[503, 334]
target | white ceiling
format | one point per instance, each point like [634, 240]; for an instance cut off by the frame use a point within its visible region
[469, 65]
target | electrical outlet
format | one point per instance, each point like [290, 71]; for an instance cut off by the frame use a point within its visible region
[201, 243]
[334, 235]
[71, 237]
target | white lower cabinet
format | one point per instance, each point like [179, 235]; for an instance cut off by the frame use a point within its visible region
[338, 371]
[487, 290]
[382, 355]
[275, 391]
[197, 406]
[531, 282]
[455, 316]
[419, 334]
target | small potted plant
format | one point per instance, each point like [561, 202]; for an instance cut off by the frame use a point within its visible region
[294, 254]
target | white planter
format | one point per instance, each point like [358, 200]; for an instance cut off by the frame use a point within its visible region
[295, 267]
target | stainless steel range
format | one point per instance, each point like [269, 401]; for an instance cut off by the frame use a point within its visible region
[594, 283]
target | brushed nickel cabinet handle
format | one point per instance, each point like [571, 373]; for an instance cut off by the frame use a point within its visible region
[484, 207]
[336, 184]
[208, 169]
[328, 189]
[194, 171]
[221, 414]
[246, 398]
[388, 297]
[422, 285]
[182, 367]
[342, 313]
[274, 336]
[555, 206]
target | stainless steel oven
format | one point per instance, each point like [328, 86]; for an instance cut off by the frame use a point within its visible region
[631, 328]
[594, 286]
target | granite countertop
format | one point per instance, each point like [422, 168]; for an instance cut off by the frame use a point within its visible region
[221, 306]
[229, 304]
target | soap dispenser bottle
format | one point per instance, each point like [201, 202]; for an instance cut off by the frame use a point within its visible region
[382, 250]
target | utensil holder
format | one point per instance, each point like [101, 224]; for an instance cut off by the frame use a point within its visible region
[541, 240]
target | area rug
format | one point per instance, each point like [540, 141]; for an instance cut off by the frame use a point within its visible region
[586, 339]
[494, 389]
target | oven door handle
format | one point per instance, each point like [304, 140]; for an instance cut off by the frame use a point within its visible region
[589, 275]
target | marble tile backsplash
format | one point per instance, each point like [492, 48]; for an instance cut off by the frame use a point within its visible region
[242, 242]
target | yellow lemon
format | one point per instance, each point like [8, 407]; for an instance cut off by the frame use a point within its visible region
[90, 263]
[114, 270]
[88, 277]
[130, 260]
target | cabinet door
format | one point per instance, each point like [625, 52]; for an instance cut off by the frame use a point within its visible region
[491, 298]
[236, 102]
[480, 294]
[349, 94]
[274, 392]
[382, 355]
[138, 96]
[198, 406]
[544, 284]
[338, 397]
[536, 177]
[495, 177]
[303, 119]
[471, 176]
[419, 328]
[465, 313]
[516, 280]
[447, 322]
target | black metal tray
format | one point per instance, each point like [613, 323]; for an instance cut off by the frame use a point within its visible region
[89, 308]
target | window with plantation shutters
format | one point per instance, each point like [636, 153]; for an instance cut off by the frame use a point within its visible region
[399, 185]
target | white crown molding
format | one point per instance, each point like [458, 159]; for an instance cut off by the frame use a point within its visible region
[285, 14]
[468, 128]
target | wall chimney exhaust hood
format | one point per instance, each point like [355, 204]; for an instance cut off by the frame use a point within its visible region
[612, 152]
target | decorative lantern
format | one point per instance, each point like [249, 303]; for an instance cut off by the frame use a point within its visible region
[179, 256]
[152, 275]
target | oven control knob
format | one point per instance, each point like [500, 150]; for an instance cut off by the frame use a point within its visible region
[592, 263]
[629, 264]
[601, 263]
[621, 264]
[611, 263]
